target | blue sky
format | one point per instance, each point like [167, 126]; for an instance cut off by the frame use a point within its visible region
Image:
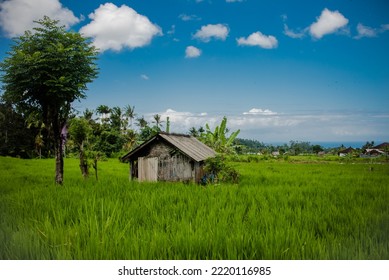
[279, 70]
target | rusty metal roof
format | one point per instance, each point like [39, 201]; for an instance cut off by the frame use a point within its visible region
[188, 145]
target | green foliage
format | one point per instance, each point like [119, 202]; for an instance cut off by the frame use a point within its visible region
[278, 211]
[130, 140]
[116, 118]
[299, 147]
[48, 69]
[158, 121]
[147, 132]
[15, 138]
[44, 73]
[218, 139]
[79, 130]
[109, 142]
[218, 170]
[249, 146]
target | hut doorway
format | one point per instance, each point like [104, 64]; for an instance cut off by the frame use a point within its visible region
[148, 169]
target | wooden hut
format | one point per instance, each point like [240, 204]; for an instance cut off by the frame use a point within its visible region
[169, 157]
[345, 152]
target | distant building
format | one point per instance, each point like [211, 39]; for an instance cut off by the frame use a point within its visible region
[374, 152]
[275, 153]
[383, 147]
[169, 157]
[345, 152]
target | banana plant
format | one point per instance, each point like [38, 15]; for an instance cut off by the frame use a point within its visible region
[218, 139]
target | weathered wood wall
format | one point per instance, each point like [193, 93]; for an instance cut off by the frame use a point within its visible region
[175, 168]
[164, 163]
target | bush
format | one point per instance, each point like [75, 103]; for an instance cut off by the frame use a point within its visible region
[218, 171]
[252, 158]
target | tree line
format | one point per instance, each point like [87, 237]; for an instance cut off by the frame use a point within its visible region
[49, 68]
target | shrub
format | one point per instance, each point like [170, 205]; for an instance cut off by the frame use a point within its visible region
[218, 171]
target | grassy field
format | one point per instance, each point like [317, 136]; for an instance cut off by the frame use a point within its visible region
[280, 210]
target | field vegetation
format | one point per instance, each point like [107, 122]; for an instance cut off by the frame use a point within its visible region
[281, 209]
[292, 206]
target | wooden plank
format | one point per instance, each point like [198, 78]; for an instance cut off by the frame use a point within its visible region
[148, 169]
[153, 169]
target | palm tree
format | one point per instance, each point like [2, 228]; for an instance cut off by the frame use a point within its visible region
[129, 112]
[103, 110]
[196, 132]
[157, 120]
[131, 138]
[88, 114]
[193, 132]
[116, 118]
[141, 122]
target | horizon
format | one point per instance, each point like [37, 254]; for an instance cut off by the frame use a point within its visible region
[316, 71]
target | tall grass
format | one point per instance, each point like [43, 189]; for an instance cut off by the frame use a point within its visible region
[278, 211]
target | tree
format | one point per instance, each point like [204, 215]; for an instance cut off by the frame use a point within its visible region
[33, 120]
[157, 120]
[129, 112]
[218, 139]
[79, 130]
[88, 114]
[130, 137]
[45, 72]
[368, 145]
[193, 132]
[141, 122]
[103, 110]
[15, 138]
[317, 149]
[299, 147]
[109, 142]
[116, 118]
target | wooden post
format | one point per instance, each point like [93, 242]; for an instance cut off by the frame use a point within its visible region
[131, 168]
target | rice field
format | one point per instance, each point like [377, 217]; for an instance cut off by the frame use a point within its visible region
[279, 210]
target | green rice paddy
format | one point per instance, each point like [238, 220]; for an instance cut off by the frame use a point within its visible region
[279, 210]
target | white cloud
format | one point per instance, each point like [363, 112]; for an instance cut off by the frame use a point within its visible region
[384, 27]
[172, 30]
[144, 77]
[261, 122]
[121, 27]
[293, 34]
[212, 31]
[277, 127]
[17, 16]
[186, 17]
[192, 52]
[260, 40]
[366, 31]
[181, 122]
[328, 22]
[232, 1]
[256, 111]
